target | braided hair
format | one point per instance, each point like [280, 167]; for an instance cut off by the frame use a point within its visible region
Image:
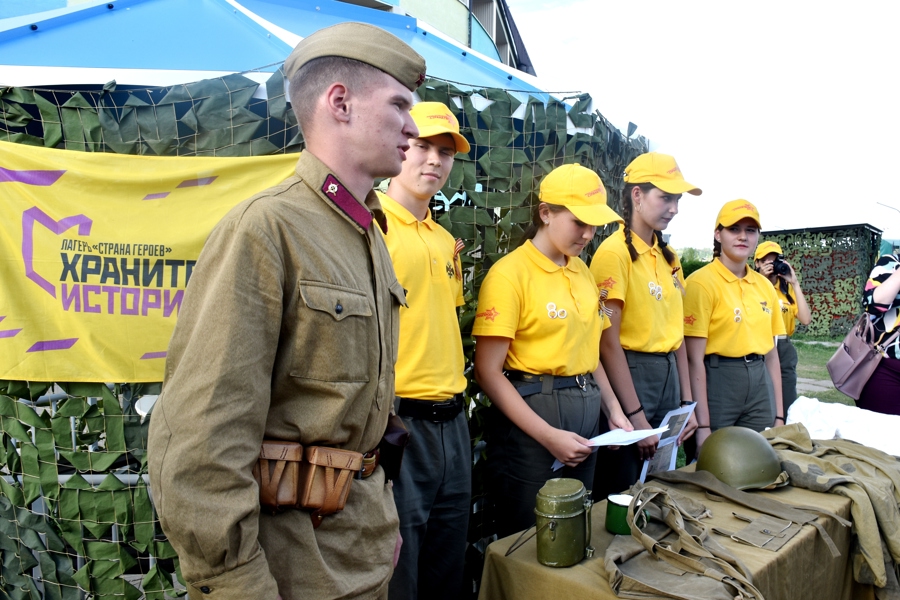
[628, 212]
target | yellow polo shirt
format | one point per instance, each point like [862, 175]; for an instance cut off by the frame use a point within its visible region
[551, 313]
[788, 311]
[430, 360]
[652, 316]
[736, 316]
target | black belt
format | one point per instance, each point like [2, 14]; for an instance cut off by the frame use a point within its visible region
[534, 384]
[436, 411]
[748, 358]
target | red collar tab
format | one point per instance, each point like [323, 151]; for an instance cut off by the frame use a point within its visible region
[345, 201]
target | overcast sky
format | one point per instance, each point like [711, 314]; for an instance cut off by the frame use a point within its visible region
[792, 105]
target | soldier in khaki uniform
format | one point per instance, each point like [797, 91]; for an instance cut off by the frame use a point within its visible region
[289, 332]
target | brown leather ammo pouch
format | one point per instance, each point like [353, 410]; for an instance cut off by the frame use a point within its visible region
[277, 472]
[325, 478]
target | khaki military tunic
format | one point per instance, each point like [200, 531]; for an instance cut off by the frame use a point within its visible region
[288, 331]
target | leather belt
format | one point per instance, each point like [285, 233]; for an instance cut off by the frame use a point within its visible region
[535, 383]
[782, 337]
[369, 462]
[436, 411]
[747, 359]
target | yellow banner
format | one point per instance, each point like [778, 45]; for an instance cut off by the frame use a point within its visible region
[96, 251]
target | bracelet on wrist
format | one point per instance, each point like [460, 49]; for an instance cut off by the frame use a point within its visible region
[687, 402]
[780, 417]
[634, 412]
[703, 427]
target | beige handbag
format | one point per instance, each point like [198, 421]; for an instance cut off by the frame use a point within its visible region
[857, 357]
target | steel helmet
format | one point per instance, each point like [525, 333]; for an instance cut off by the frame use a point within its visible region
[739, 457]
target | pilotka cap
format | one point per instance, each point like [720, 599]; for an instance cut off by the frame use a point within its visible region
[365, 43]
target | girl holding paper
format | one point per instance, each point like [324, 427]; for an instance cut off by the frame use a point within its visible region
[537, 331]
[641, 279]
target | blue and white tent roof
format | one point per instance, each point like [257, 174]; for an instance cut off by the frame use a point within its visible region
[164, 42]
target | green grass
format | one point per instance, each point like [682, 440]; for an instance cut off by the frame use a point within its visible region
[811, 365]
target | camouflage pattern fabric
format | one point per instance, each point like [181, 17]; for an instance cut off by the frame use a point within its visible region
[869, 478]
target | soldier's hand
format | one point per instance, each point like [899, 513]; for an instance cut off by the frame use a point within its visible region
[397, 547]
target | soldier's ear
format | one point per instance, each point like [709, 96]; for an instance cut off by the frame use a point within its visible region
[336, 104]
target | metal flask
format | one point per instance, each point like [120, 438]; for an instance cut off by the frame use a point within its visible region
[563, 521]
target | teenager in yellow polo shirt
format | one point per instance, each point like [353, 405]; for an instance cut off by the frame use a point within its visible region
[731, 318]
[793, 306]
[539, 319]
[643, 352]
[433, 492]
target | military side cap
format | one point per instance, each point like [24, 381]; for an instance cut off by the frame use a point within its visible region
[365, 43]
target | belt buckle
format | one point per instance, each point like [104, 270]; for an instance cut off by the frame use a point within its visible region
[747, 359]
[583, 383]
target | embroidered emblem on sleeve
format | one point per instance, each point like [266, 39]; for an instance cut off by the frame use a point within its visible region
[608, 284]
[690, 319]
[489, 315]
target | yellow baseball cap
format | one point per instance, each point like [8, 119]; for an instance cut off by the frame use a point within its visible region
[580, 190]
[767, 248]
[662, 171]
[365, 43]
[434, 118]
[736, 210]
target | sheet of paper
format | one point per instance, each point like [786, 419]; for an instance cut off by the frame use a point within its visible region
[663, 460]
[676, 420]
[618, 437]
[667, 450]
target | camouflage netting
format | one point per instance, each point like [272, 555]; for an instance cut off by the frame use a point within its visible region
[833, 264]
[75, 514]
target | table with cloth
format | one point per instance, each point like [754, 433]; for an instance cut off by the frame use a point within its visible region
[803, 569]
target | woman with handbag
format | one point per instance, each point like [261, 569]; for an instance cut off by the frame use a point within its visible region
[643, 350]
[793, 307]
[882, 303]
[537, 350]
[731, 318]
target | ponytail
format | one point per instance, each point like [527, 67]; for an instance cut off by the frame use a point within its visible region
[717, 247]
[536, 222]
